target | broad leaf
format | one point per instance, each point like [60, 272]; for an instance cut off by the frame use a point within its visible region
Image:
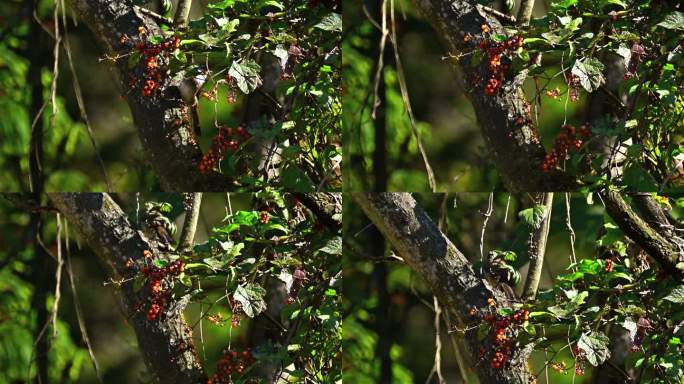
[589, 71]
[251, 297]
[595, 347]
[246, 74]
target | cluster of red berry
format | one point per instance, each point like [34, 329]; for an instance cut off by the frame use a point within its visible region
[643, 325]
[580, 358]
[236, 308]
[573, 87]
[498, 56]
[264, 217]
[232, 94]
[638, 52]
[153, 56]
[504, 329]
[569, 138]
[226, 139]
[609, 265]
[231, 363]
[155, 277]
[299, 277]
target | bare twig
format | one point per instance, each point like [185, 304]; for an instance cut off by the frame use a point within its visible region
[190, 224]
[81, 104]
[407, 102]
[537, 247]
[486, 214]
[77, 306]
[568, 225]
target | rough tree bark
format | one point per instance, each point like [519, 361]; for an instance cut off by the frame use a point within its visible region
[171, 150]
[166, 344]
[515, 146]
[444, 268]
[668, 255]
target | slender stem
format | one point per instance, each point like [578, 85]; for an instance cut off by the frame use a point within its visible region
[190, 224]
[182, 13]
[537, 247]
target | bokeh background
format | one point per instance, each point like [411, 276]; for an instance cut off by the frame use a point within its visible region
[444, 117]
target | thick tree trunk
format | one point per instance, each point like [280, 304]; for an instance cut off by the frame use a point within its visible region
[166, 343]
[444, 268]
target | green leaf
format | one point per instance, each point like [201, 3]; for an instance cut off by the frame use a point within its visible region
[674, 20]
[296, 180]
[251, 297]
[595, 347]
[333, 247]
[676, 295]
[246, 74]
[637, 177]
[331, 22]
[590, 73]
[533, 217]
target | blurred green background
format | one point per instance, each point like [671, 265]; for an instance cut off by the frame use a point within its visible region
[444, 117]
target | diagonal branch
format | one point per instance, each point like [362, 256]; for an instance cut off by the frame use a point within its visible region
[668, 255]
[504, 119]
[444, 268]
[166, 344]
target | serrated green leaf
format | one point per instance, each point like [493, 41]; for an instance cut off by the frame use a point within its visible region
[595, 347]
[533, 217]
[589, 71]
[674, 20]
[331, 22]
[251, 297]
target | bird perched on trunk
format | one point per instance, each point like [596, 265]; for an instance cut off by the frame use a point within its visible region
[158, 227]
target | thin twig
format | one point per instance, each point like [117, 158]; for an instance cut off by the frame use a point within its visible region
[77, 307]
[381, 60]
[81, 106]
[568, 225]
[487, 214]
[407, 102]
[438, 342]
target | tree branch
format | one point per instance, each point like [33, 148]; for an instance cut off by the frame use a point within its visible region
[170, 149]
[190, 224]
[166, 344]
[504, 119]
[326, 206]
[182, 13]
[525, 12]
[537, 247]
[444, 268]
[667, 254]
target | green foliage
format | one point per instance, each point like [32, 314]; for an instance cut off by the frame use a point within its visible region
[237, 44]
